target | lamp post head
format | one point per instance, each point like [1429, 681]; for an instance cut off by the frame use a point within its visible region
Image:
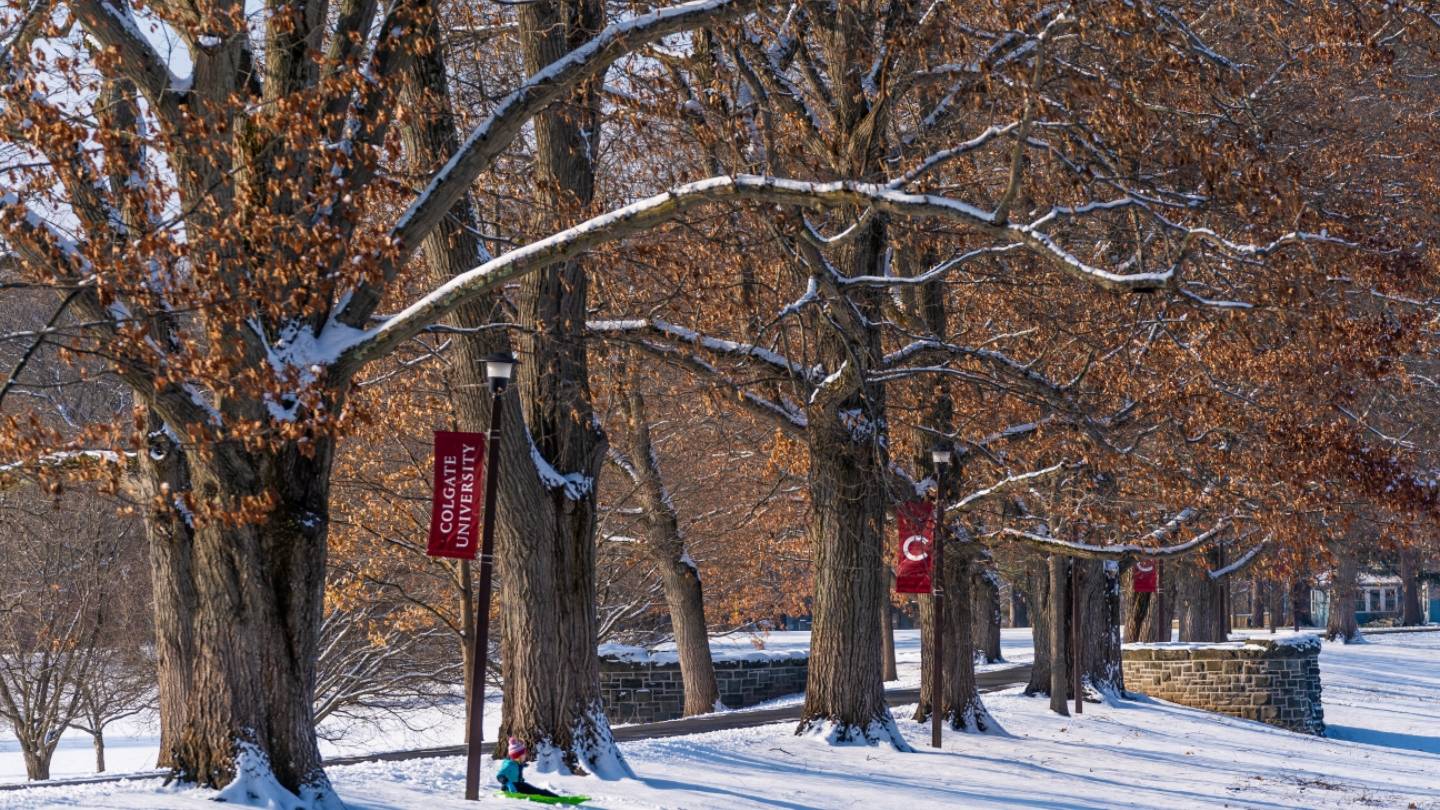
[498, 368]
[940, 456]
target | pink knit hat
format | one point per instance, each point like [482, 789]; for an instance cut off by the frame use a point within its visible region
[517, 748]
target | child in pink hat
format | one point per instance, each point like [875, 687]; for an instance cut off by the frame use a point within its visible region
[512, 773]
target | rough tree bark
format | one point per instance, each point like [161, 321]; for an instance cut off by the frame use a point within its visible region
[1275, 605]
[1157, 627]
[845, 695]
[546, 542]
[665, 546]
[1137, 607]
[1256, 619]
[237, 612]
[1300, 603]
[846, 437]
[1100, 627]
[1341, 624]
[1037, 595]
[1019, 610]
[1412, 613]
[964, 710]
[1059, 600]
[987, 612]
[1203, 615]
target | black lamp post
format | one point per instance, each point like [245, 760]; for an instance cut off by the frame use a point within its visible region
[498, 368]
[940, 457]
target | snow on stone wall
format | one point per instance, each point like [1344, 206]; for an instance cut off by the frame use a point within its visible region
[1272, 681]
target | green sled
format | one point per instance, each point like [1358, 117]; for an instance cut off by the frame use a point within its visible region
[545, 799]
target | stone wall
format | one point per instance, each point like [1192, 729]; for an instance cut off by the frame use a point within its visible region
[1273, 681]
[647, 691]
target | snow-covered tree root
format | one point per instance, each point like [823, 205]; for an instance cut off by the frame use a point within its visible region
[830, 732]
[592, 748]
[255, 785]
[973, 718]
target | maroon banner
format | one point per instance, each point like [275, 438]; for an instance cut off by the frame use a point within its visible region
[917, 529]
[1147, 577]
[455, 508]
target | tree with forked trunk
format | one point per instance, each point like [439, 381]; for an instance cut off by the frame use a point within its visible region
[665, 545]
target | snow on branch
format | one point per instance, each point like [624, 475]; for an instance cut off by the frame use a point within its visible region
[928, 276]
[623, 463]
[1173, 524]
[497, 131]
[1111, 552]
[1002, 486]
[714, 345]
[941, 157]
[660, 208]
[1242, 562]
[14, 473]
[113, 25]
[784, 414]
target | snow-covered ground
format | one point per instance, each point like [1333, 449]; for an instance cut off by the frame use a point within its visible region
[1382, 704]
[132, 745]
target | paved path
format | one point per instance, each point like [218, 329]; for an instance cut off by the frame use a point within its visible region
[987, 681]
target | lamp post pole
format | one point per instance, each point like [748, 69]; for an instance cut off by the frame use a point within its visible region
[498, 368]
[940, 457]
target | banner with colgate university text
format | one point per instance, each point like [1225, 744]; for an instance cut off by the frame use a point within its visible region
[456, 508]
[917, 530]
[1147, 577]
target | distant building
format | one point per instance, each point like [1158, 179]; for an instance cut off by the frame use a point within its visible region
[1377, 597]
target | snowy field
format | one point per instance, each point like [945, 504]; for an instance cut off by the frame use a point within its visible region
[1382, 704]
[134, 744]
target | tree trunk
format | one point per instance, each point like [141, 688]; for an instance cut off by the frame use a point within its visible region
[1300, 604]
[1019, 610]
[845, 694]
[1275, 601]
[1256, 617]
[687, 616]
[964, 711]
[546, 542]
[665, 546]
[1037, 595]
[37, 762]
[1342, 625]
[99, 742]
[987, 613]
[926, 604]
[1412, 613]
[468, 628]
[1137, 607]
[1100, 628]
[1059, 634]
[1135, 618]
[1203, 617]
[237, 613]
[1157, 626]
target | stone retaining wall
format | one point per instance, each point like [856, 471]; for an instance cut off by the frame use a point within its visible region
[649, 691]
[1273, 681]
